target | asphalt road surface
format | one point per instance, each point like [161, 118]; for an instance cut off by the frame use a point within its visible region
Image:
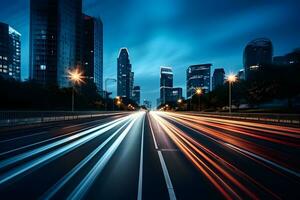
[150, 155]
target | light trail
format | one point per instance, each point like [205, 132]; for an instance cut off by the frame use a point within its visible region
[264, 152]
[217, 170]
[186, 148]
[168, 181]
[281, 130]
[241, 130]
[82, 188]
[36, 151]
[42, 160]
[58, 186]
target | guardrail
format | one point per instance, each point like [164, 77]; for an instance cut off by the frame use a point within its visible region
[286, 119]
[12, 118]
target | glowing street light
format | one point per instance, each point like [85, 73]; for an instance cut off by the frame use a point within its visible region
[231, 78]
[199, 91]
[179, 101]
[76, 77]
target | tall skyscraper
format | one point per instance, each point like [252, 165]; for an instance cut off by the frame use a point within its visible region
[218, 78]
[257, 54]
[10, 52]
[197, 76]
[131, 81]
[166, 84]
[55, 39]
[136, 94]
[92, 54]
[124, 74]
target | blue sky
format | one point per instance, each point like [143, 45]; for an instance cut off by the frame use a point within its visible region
[176, 33]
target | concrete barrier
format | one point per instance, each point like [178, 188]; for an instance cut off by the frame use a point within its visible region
[13, 118]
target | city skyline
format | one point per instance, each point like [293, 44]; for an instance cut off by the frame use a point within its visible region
[192, 40]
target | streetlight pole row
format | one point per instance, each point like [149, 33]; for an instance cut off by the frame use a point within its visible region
[231, 79]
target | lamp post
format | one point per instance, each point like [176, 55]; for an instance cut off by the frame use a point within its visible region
[231, 79]
[199, 92]
[179, 101]
[76, 77]
[119, 101]
[106, 96]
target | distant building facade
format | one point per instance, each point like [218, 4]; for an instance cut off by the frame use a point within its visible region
[136, 94]
[176, 94]
[166, 84]
[241, 75]
[198, 76]
[125, 76]
[218, 78]
[147, 104]
[55, 40]
[10, 52]
[288, 59]
[257, 54]
[92, 46]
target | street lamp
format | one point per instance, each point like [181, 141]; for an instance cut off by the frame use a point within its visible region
[76, 77]
[231, 79]
[199, 92]
[119, 102]
[106, 96]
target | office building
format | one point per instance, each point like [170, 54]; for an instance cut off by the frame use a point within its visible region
[125, 76]
[131, 81]
[291, 58]
[257, 54]
[136, 94]
[10, 52]
[218, 78]
[92, 50]
[197, 76]
[166, 84]
[176, 93]
[55, 40]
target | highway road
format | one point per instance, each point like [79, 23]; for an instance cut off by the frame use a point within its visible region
[150, 155]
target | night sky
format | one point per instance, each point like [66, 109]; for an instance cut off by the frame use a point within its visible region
[176, 33]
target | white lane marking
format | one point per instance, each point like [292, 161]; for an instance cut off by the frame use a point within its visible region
[170, 187]
[81, 189]
[24, 136]
[140, 187]
[59, 184]
[152, 133]
[167, 177]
